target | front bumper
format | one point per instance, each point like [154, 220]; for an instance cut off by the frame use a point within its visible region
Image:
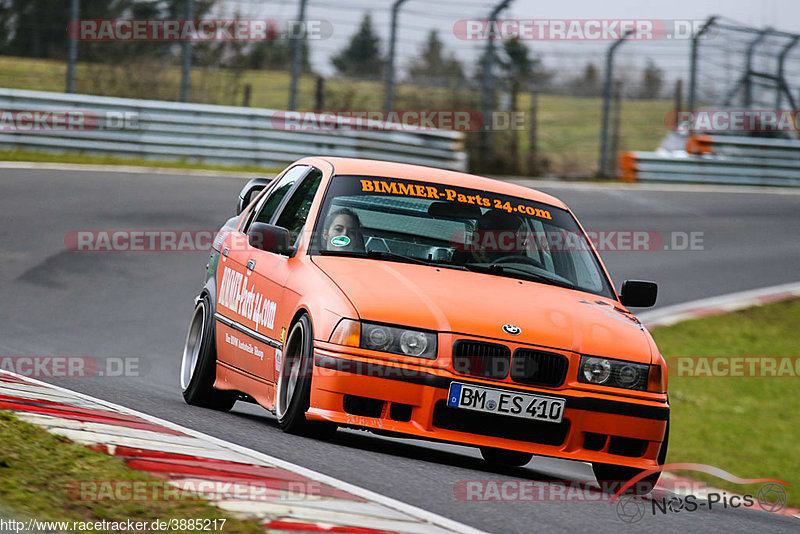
[364, 392]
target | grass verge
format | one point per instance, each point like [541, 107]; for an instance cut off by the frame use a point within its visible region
[39, 472]
[568, 127]
[747, 426]
[86, 159]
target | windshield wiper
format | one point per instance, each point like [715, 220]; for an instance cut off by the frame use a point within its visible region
[505, 270]
[388, 256]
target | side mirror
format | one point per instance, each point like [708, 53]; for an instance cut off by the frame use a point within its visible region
[270, 238]
[638, 293]
[249, 192]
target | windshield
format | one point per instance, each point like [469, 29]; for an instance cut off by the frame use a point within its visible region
[456, 227]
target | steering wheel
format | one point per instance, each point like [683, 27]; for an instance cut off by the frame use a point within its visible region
[519, 258]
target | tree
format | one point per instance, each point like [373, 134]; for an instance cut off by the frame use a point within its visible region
[652, 79]
[362, 56]
[590, 76]
[132, 51]
[274, 55]
[432, 67]
[519, 69]
[516, 62]
[37, 28]
[588, 83]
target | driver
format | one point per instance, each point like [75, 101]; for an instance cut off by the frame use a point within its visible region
[495, 236]
[342, 231]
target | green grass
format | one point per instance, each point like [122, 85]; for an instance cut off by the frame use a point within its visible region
[33, 74]
[39, 472]
[47, 157]
[569, 129]
[747, 426]
[568, 133]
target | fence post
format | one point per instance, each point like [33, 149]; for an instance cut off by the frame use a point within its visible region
[486, 88]
[532, 166]
[602, 170]
[784, 87]
[186, 67]
[297, 54]
[678, 103]
[693, 64]
[388, 102]
[319, 94]
[748, 82]
[616, 111]
[72, 54]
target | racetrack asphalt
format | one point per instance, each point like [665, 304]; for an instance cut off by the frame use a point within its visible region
[56, 302]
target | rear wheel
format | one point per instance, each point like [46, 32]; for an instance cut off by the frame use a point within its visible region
[198, 365]
[502, 457]
[609, 473]
[293, 393]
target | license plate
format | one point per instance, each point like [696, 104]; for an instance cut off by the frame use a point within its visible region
[503, 402]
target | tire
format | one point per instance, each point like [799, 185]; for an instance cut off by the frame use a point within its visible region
[610, 473]
[199, 362]
[293, 392]
[501, 457]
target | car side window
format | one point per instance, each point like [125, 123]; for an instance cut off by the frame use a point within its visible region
[273, 200]
[294, 214]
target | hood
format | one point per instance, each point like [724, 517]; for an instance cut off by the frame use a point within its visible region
[477, 304]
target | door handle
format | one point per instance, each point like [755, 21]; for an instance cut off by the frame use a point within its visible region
[251, 265]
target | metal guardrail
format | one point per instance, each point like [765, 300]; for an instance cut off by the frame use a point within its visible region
[718, 160]
[753, 147]
[224, 135]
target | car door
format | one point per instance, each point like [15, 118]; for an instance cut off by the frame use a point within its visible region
[261, 293]
[246, 304]
[292, 215]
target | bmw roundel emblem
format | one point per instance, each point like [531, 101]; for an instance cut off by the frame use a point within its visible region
[512, 329]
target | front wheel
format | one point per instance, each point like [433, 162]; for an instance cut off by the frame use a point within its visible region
[501, 457]
[199, 362]
[293, 393]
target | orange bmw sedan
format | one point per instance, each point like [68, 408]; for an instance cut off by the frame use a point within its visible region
[427, 303]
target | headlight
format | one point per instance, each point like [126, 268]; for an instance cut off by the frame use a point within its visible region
[393, 339]
[376, 337]
[398, 340]
[413, 343]
[596, 370]
[613, 373]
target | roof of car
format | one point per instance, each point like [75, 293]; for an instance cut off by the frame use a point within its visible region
[389, 169]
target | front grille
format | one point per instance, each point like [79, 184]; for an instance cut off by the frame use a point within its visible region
[539, 368]
[478, 358]
[499, 426]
